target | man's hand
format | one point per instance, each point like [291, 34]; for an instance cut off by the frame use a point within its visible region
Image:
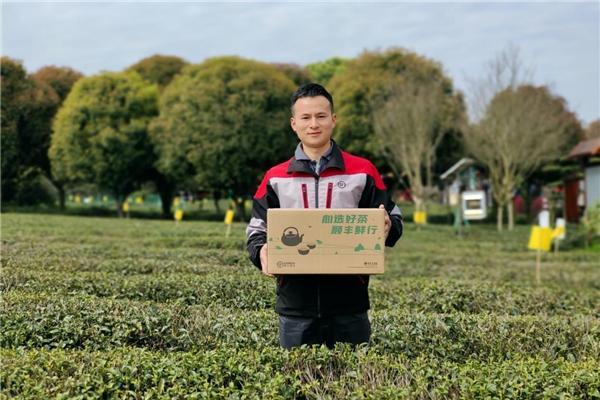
[387, 225]
[263, 261]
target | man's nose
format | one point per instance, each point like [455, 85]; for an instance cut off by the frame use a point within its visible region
[314, 122]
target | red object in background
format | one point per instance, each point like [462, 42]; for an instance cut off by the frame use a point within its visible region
[519, 204]
[571, 209]
[405, 196]
[537, 203]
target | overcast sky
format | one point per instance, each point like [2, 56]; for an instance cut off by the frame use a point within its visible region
[560, 40]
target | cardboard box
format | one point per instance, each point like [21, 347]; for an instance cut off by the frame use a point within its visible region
[325, 241]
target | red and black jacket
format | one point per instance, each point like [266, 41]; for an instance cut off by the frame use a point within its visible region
[346, 181]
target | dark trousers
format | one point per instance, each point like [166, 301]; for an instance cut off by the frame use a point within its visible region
[351, 328]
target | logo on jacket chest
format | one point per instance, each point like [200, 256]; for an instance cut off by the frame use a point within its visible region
[341, 184]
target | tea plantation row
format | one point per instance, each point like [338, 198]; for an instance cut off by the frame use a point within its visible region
[105, 308]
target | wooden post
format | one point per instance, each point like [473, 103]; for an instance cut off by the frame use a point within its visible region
[538, 266]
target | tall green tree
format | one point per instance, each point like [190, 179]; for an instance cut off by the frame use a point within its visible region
[160, 70]
[28, 105]
[323, 71]
[53, 85]
[224, 122]
[15, 89]
[100, 135]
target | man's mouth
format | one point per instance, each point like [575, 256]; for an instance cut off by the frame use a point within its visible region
[314, 133]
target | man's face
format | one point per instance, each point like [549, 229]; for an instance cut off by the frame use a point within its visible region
[313, 121]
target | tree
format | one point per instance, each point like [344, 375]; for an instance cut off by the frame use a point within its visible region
[296, 73]
[224, 122]
[53, 85]
[28, 106]
[15, 87]
[366, 81]
[517, 128]
[593, 130]
[523, 128]
[323, 71]
[100, 134]
[159, 69]
[410, 125]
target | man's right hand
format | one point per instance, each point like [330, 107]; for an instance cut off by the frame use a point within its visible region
[263, 261]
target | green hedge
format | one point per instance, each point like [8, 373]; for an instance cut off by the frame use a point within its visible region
[245, 288]
[52, 321]
[276, 373]
[234, 289]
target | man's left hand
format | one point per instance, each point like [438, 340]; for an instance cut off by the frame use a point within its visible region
[388, 222]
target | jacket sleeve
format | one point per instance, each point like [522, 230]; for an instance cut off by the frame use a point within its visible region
[374, 194]
[256, 232]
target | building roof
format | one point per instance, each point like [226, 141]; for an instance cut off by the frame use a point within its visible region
[459, 166]
[590, 147]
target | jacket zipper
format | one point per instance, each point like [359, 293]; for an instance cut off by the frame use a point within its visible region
[317, 177]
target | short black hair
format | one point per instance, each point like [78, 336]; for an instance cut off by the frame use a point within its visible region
[311, 90]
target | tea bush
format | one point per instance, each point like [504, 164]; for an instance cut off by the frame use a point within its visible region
[105, 308]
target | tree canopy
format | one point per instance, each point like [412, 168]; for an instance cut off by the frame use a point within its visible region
[159, 69]
[61, 79]
[593, 130]
[28, 105]
[224, 122]
[323, 71]
[296, 73]
[367, 82]
[100, 133]
[14, 89]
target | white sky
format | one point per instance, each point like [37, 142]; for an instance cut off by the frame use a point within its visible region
[560, 40]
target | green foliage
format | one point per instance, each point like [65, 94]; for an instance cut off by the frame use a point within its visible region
[323, 71]
[224, 122]
[296, 73]
[276, 373]
[28, 106]
[100, 133]
[370, 79]
[591, 222]
[132, 309]
[159, 69]
[33, 188]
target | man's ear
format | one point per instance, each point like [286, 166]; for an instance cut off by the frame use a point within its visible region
[334, 119]
[293, 123]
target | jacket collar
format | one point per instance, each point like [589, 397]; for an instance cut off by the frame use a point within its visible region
[336, 160]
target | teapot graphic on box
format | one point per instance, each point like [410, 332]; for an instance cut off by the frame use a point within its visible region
[291, 236]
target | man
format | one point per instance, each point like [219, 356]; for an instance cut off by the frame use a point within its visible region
[319, 309]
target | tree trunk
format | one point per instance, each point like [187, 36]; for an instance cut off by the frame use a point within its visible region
[216, 198]
[511, 214]
[119, 203]
[240, 209]
[166, 190]
[61, 196]
[428, 173]
[499, 216]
